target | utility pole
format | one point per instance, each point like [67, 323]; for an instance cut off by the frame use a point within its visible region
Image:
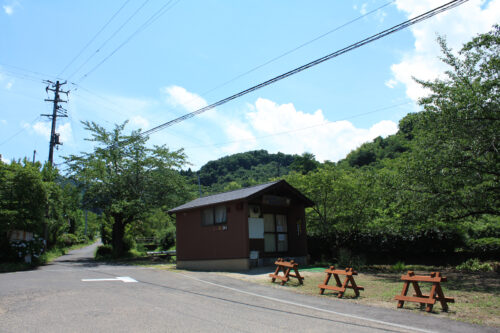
[57, 111]
[34, 154]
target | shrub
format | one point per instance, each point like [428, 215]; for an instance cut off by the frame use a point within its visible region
[128, 243]
[83, 239]
[19, 249]
[488, 245]
[474, 265]
[347, 259]
[398, 267]
[106, 232]
[66, 240]
[168, 239]
[104, 251]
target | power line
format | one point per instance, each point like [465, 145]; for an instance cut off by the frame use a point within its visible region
[111, 37]
[335, 54]
[21, 76]
[16, 69]
[19, 132]
[298, 47]
[148, 22]
[110, 108]
[95, 36]
[302, 128]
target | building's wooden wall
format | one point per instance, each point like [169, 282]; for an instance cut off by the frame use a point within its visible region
[197, 242]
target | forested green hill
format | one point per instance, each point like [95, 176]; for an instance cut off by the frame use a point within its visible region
[242, 170]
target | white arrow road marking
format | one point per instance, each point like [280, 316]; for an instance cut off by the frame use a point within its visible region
[125, 279]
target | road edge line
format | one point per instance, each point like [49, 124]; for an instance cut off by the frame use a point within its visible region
[310, 307]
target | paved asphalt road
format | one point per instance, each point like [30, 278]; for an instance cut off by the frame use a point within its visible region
[55, 299]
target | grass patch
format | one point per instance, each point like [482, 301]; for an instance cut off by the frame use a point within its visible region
[477, 295]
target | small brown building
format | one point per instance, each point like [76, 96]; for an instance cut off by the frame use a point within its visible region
[238, 229]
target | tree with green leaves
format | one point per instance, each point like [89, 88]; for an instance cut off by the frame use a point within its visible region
[23, 198]
[455, 158]
[344, 199]
[304, 163]
[125, 179]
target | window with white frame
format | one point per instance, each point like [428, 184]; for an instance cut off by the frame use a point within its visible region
[214, 215]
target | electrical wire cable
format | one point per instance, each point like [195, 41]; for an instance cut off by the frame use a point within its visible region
[297, 48]
[27, 72]
[165, 8]
[21, 76]
[301, 128]
[152, 19]
[109, 38]
[105, 106]
[384, 33]
[19, 132]
[94, 38]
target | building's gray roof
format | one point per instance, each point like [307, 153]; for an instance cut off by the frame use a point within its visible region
[229, 196]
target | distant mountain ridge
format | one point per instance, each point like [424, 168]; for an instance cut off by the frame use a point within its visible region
[242, 170]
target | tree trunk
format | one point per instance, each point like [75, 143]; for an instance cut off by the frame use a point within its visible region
[117, 235]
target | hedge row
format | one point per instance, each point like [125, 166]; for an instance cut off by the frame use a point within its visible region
[434, 243]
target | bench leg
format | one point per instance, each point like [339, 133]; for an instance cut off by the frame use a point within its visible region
[327, 279]
[403, 293]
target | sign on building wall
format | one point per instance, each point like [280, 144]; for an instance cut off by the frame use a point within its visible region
[255, 228]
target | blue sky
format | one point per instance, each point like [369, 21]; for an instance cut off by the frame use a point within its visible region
[165, 70]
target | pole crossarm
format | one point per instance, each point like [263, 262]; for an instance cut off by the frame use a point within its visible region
[57, 111]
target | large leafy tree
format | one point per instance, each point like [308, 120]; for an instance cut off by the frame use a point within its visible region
[125, 179]
[304, 163]
[344, 199]
[23, 198]
[455, 159]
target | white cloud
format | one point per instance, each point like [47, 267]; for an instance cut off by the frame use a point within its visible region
[43, 129]
[5, 160]
[3, 121]
[458, 25]
[391, 83]
[8, 86]
[66, 132]
[179, 96]
[9, 10]
[363, 10]
[242, 136]
[328, 141]
[140, 122]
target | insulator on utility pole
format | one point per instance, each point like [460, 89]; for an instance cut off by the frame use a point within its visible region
[57, 111]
